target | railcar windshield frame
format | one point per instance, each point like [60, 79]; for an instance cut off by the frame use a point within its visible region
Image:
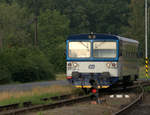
[79, 49]
[92, 58]
[104, 49]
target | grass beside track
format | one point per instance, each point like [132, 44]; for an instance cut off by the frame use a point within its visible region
[61, 76]
[35, 94]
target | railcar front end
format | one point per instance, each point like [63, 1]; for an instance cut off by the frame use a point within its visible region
[92, 60]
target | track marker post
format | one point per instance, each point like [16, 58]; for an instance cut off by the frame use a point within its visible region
[146, 66]
[146, 36]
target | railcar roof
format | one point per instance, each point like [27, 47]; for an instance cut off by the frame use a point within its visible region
[100, 36]
[127, 39]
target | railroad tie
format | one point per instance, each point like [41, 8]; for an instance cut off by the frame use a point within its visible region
[119, 96]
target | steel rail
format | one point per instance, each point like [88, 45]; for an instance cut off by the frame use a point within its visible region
[28, 107]
[29, 103]
[127, 108]
[51, 106]
[47, 106]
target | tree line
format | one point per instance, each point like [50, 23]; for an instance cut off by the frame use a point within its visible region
[25, 58]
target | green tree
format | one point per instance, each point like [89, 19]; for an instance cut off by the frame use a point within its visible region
[136, 27]
[53, 30]
[106, 16]
[13, 26]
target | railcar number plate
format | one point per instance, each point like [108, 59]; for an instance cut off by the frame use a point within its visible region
[91, 66]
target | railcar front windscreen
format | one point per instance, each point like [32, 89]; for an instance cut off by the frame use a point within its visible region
[79, 49]
[104, 49]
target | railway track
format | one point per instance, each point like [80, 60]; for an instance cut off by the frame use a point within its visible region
[64, 101]
[126, 109]
[29, 103]
[47, 106]
[14, 110]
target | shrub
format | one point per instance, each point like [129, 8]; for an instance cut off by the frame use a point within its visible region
[26, 65]
[5, 76]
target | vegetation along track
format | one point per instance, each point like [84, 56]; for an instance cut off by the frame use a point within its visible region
[47, 106]
[127, 108]
[63, 101]
[29, 103]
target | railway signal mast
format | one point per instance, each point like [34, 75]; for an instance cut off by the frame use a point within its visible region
[146, 36]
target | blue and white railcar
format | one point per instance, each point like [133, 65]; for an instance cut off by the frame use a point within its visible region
[101, 60]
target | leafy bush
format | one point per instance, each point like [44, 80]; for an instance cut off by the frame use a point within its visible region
[25, 65]
[5, 76]
[57, 59]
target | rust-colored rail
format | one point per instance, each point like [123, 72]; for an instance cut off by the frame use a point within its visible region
[28, 107]
[47, 106]
[29, 103]
[127, 108]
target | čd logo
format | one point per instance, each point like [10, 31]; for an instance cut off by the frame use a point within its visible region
[91, 66]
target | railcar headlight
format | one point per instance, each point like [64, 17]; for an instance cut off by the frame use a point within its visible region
[75, 64]
[114, 64]
[108, 65]
[69, 64]
[111, 65]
